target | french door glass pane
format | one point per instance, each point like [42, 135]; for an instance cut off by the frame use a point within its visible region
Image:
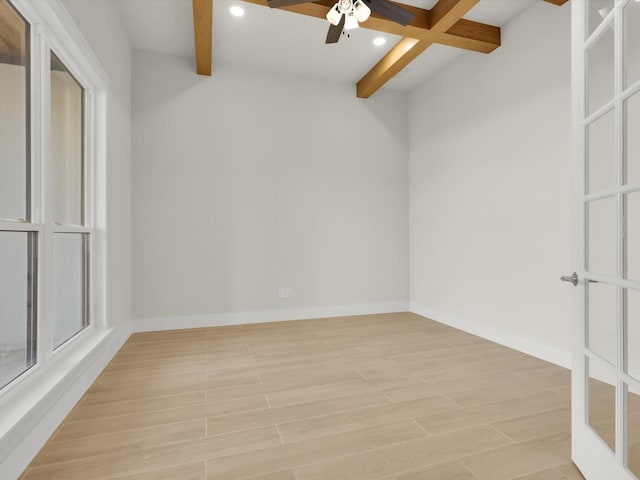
[597, 10]
[66, 145]
[14, 113]
[602, 320]
[633, 235]
[70, 287]
[633, 334]
[601, 215]
[601, 153]
[632, 43]
[633, 432]
[633, 139]
[600, 71]
[17, 283]
[601, 398]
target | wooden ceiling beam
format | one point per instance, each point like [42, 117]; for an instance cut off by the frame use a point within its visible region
[403, 53]
[444, 15]
[465, 34]
[203, 35]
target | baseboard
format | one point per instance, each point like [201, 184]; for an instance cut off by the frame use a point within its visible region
[530, 347]
[264, 316]
[56, 395]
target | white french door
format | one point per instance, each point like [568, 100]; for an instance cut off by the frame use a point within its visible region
[606, 130]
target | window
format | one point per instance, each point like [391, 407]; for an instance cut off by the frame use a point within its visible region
[47, 193]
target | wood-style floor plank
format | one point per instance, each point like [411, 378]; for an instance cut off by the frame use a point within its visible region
[492, 412]
[546, 474]
[165, 455]
[125, 423]
[453, 470]
[361, 418]
[187, 471]
[372, 397]
[400, 457]
[536, 425]
[119, 442]
[289, 455]
[283, 475]
[521, 458]
[332, 390]
[113, 409]
[284, 415]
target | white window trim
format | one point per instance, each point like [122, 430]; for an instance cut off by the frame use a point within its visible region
[53, 28]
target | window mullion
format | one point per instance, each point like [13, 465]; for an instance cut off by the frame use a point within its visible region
[43, 101]
[36, 126]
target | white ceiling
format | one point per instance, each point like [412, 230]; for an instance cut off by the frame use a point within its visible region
[290, 42]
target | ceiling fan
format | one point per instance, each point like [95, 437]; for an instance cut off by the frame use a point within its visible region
[346, 14]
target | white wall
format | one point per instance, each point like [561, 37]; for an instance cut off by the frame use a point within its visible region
[490, 186]
[103, 29]
[249, 181]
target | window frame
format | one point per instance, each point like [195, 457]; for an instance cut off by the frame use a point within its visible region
[51, 30]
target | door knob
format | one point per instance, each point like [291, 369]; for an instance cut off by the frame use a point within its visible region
[572, 279]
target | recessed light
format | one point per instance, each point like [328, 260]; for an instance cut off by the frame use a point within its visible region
[379, 41]
[237, 11]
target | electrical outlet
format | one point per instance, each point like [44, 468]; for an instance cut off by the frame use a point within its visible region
[285, 292]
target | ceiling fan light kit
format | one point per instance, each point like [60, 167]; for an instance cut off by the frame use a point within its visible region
[354, 12]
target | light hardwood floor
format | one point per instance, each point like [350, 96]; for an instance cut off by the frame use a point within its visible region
[392, 396]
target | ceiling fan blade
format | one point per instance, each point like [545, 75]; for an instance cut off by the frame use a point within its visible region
[389, 10]
[333, 35]
[285, 3]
